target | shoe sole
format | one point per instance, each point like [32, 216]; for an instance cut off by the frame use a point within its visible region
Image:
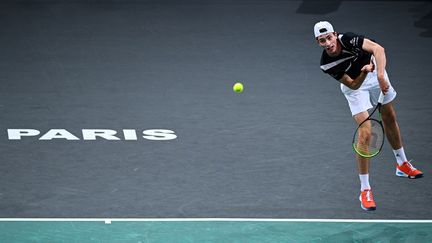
[401, 174]
[366, 209]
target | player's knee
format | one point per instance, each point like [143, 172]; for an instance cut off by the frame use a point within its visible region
[364, 135]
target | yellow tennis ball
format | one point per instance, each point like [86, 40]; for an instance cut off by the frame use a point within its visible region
[238, 87]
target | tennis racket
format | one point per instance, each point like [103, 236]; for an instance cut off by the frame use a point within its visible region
[368, 138]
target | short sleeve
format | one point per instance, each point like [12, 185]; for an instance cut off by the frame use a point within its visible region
[351, 40]
[337, 76]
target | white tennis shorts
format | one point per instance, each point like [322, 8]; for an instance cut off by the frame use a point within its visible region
[367, 95]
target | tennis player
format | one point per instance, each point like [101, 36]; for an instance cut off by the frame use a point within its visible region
[359, 65]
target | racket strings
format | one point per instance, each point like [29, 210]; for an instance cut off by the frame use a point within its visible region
[369, 138]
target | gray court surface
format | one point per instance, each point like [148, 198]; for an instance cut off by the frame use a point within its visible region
[280, 149]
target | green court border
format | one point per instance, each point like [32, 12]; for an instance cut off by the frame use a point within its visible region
[212, 230]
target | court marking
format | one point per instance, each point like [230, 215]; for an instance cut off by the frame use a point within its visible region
[109, 220]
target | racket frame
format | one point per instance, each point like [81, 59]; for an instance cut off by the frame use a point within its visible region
[369, 118]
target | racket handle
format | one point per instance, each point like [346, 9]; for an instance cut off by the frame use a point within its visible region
[381, 98]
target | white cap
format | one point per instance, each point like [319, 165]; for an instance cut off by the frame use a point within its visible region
[322, 28]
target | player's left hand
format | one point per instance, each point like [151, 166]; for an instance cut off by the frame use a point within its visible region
[368, 68]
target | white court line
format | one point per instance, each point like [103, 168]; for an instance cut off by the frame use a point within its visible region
[109, 220]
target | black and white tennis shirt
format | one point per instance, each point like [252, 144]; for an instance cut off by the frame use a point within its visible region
[351, 59]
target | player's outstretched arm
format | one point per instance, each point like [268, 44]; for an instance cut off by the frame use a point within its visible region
[379, 54]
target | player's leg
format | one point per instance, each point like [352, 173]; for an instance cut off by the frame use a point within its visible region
[404, 167]
[359, 103]
[364, 136]
[363, 164]
[391, 126]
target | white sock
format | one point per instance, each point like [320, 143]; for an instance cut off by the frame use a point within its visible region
[364, 182]
[400, 156]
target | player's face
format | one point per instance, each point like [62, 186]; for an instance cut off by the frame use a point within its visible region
[329, 43]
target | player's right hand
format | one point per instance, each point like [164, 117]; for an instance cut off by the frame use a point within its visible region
[384, 84]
